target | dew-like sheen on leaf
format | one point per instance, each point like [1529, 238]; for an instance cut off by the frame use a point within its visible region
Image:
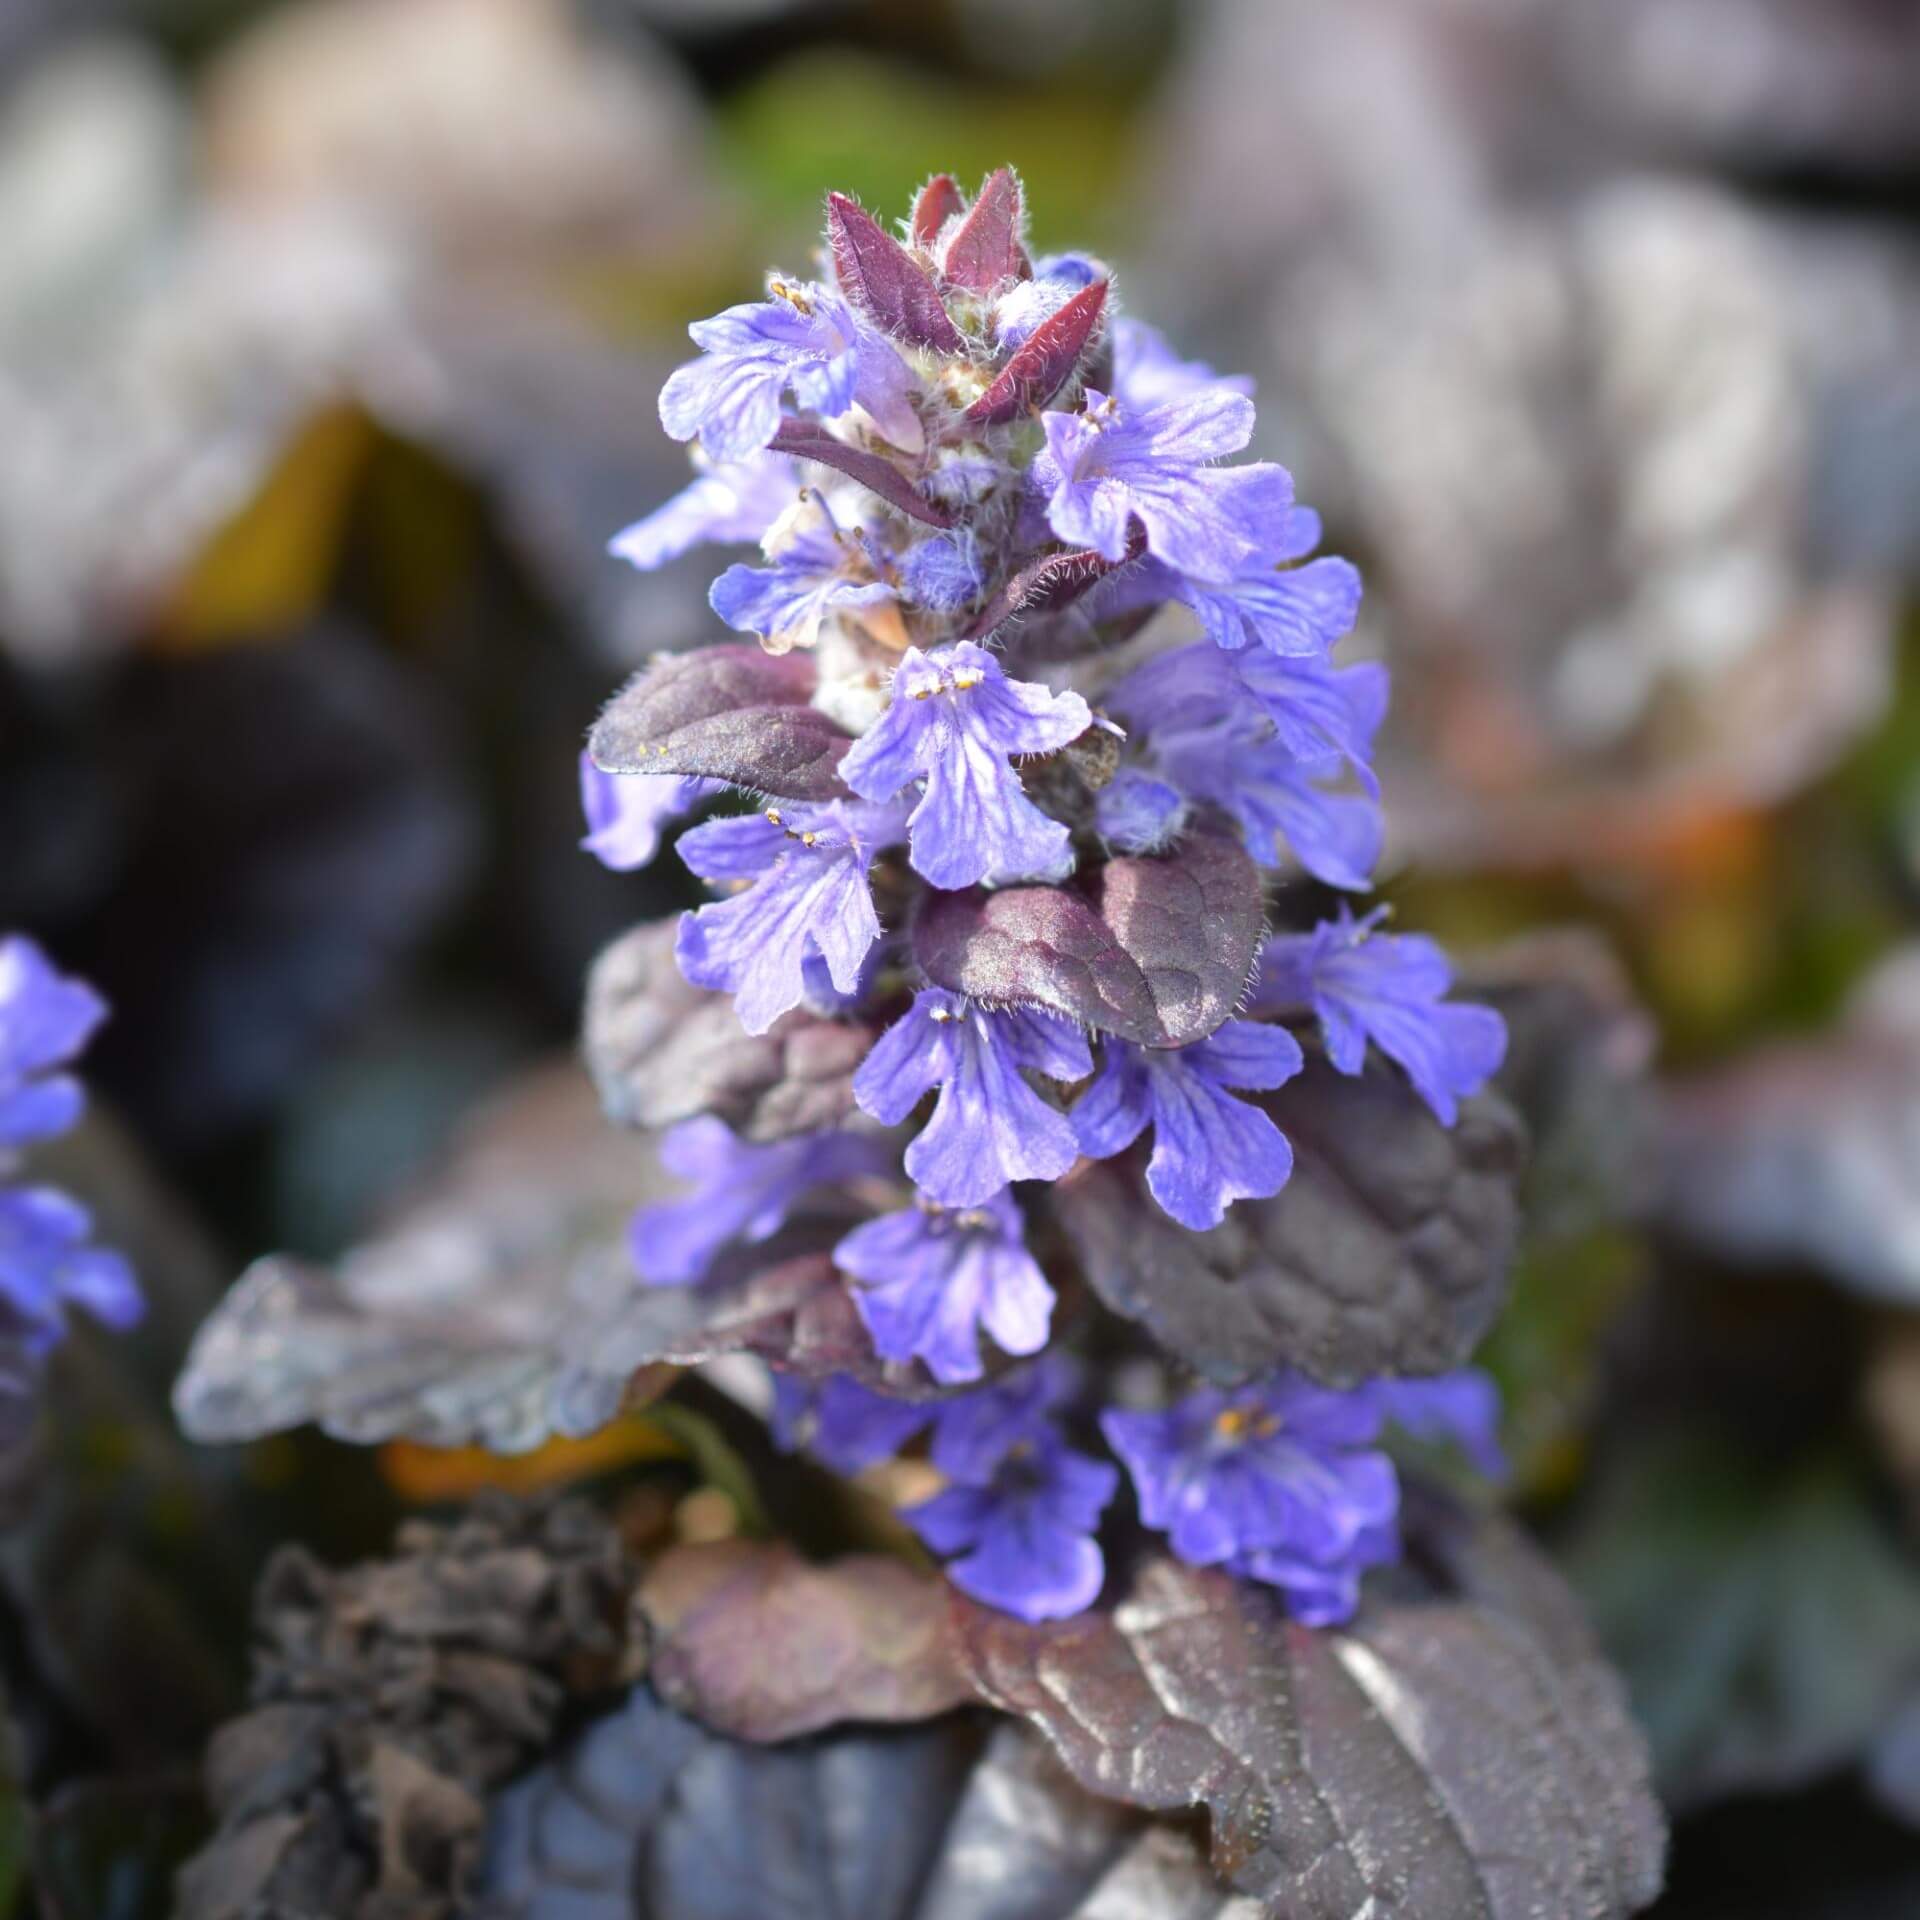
[1457, 1750]
[730, 713]
[1154, 950]
[661, 1050]
[1388, 1250]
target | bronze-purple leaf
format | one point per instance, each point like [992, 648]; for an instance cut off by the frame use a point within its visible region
[755, 1643]
[807, 440]
[1156, 951]
[935, 204]
[1457, 1749]
[1047, 585]
[984, 249]
[731, 713]
[1045, 362]
[1387, 1252]
[884, 280]
[661, 1050]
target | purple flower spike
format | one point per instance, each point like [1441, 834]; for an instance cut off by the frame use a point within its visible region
[1279, 1480]
[740, 1192]
[1462, 1408]
[844, 1425]
[809, 895]
[1388, 988]
[732, 505]
[1110, 465]
[1209, 1149]
[47, 1266]
[989, 1127]
[817, 571]
[45, 1021]
[627, 813]
[1022, 1527]
[806, 338]
[932, 1280]
[954, 722]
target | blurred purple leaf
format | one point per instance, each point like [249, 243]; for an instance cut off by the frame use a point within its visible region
[757, 1644]
[1156, 951]
[935, 204]
[1388, 1251]
[1807, 1153]
[729, 712]
[660, 1050]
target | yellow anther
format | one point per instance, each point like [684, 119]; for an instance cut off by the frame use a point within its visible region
[967, 679]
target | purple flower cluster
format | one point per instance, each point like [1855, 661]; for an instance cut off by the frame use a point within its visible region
[965, 471]
[48, 1262]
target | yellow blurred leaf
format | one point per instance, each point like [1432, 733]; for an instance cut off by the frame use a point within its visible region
[268, 567]
[427, 1476]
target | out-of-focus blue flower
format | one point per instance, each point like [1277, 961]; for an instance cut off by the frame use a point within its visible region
[933, 1279]
[816, 570]
[1279, 799]
[1462, 1408]
[740, 1192]
[1106, 467]
[47, 1261]
[1390, 988]
[989, 1127]
[805, 338]
[730, 504]
[943, 572]
[808, 895]
[1314, 711]
[629, 813]
[1148, 373]
[954, 722]
[844, 1425]
[1136, 813]
[1018, 1531]
[1280, 1481]
[1029, 303]
[1209, 1149]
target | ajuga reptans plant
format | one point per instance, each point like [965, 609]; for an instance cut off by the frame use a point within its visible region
[1032, 770]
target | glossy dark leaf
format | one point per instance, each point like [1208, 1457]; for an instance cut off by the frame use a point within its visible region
[756, 1643]
[1387, 1252]
[661, 1050]
[730, 712]
[935, 204]
[884, 281]
[1767, 1621]
[1044, 363]
[1047, 585]
[984, 249]
[1156, 951]
[1808, 1152]
[650, 1816]
[1458, 1749]
[807, 440]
